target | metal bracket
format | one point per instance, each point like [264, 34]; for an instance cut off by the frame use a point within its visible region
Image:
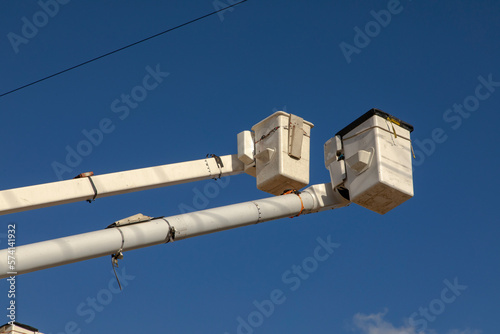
[88, 175]
[219, 163]
[138, 218]
[295, 136]
[117, 256]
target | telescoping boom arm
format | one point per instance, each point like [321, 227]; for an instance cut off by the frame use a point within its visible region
[57, 252]
[89, 187]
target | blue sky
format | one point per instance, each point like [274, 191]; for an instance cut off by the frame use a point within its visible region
[430, 265]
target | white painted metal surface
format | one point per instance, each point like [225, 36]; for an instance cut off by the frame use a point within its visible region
[376, 155]
[246, 147]
[81, 189]
[47, 254]
[282, 147]
[334, 161]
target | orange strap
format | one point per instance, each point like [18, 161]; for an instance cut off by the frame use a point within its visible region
[296, 192]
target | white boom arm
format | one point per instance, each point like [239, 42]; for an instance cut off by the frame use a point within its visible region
[52, 253]
[369, 163]
[89, 188]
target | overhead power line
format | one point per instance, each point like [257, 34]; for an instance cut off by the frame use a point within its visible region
[122, 48]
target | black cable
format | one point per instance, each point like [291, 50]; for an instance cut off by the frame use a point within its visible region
[122, 48]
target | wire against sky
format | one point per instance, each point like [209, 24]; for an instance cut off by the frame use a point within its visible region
[122, 48]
